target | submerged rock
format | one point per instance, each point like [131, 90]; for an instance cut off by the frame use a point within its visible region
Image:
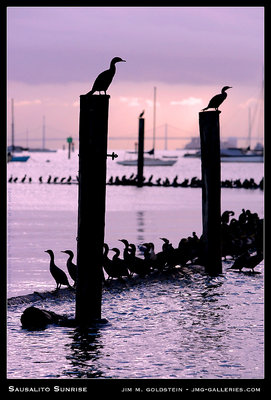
[35, 318]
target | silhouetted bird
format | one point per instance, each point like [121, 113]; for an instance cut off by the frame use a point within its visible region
[225, 217]
[245, 260]
[55, 179]
[40, 179]
[218, 99]
[118, 264]
[253, 261]
[175, 181]
[149, 182]
[108, 264]
[103, 80]
[136, 264]
[71, 267]
[23, 180]
[149, 254]
[141, 115]
[59, 276]
[62, 179]
[49, 179]
[30, 180]
[10, 179]
[15, 179]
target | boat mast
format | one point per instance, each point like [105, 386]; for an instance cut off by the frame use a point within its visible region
[165, 136]
[154, 118]
[43, 132]
[12, 125]
[249, 128]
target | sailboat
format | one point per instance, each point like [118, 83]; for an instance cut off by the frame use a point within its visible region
[233, 154]
[13, 148]
[150, 161]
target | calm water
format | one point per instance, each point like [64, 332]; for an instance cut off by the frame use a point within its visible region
[187, 327]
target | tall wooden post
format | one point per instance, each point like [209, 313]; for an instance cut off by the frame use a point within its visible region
[12, 126]
[140, 156]
[93, 128]
[211, 191]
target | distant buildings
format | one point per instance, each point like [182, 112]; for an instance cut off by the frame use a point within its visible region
[194, 143]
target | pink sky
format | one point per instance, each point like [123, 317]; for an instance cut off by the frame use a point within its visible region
[189, 54]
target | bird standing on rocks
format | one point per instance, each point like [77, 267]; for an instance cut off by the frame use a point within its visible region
[71, 267]
[218, 99]
[103, 80]
[59, 276]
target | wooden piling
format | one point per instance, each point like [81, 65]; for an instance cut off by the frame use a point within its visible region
[211, 191]
[93, 127]
[140, 157]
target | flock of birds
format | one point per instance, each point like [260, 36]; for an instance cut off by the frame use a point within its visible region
[241, 240]
[194, 182]
[50, 179]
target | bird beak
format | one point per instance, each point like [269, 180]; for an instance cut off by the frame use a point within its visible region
[123, 60]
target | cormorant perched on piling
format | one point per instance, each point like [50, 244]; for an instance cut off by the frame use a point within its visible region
[141, 115]
[218, 99]
[103, 80]
[59, 276]
[72, 268]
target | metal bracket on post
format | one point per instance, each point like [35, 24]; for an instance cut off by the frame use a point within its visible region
[113, 155]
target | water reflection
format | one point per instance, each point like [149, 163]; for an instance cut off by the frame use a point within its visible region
[84, 352]
[140, 225]
[186, 326]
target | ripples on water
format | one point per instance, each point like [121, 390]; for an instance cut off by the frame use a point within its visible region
[190, 326]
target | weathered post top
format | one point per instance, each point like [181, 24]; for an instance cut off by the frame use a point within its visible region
[140, 156]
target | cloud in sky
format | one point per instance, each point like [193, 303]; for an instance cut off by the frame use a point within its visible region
[198, 45]
[190, 101]
[27, 102]
[188, 53]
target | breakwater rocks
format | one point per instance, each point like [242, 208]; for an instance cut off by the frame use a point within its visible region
[194, 182]
[66, 294]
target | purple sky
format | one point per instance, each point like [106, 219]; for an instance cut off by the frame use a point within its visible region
[189, 54]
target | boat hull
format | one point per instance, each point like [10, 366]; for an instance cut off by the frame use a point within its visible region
[242, 159]
[19, 158]
[152, 162]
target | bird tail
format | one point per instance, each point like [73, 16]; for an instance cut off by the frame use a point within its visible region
[90, 93]
[206, 108]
